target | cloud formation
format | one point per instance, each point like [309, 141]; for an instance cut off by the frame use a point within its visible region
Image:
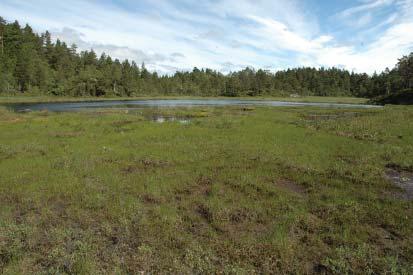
[227, 35]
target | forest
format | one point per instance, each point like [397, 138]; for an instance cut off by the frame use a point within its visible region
[36, 64]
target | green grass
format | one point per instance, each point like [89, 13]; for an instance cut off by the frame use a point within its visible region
[30, 99]
[266, 190]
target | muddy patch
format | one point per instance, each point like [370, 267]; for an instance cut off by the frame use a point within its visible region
[121, 123]
[290, 186]
[151, 199]
[247, 109]
[204, 186]
[69, 134]
[203, 211]
[201, 188]
[153, 163]
[320, 117]
[143, 165]
[401, 178]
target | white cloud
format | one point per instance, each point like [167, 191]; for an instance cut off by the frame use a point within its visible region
[382, 53]
[224, 34]
[291, 12]
[370, 5]
[276, 35]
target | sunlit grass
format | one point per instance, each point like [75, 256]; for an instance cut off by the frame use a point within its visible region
[285, 190]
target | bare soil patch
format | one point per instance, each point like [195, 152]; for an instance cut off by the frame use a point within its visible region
[143, 165]
[402, 178]
[290, 186]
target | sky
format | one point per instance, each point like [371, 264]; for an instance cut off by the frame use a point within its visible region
[229, 35]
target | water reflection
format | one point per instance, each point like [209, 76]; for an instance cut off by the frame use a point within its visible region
[140, 104]
[163, 119]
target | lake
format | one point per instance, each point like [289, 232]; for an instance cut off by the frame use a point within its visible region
[137, 104]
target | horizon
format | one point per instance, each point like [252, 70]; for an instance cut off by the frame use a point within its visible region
[360, 36]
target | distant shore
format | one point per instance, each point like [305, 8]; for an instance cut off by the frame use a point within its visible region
[320, 99]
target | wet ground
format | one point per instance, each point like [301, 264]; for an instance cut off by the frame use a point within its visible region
[403, 180]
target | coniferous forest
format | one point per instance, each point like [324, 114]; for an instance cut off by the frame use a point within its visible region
[35, 64]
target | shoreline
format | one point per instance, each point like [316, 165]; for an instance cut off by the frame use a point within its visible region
[306, 99]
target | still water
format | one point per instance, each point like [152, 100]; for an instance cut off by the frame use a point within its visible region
[137, 104]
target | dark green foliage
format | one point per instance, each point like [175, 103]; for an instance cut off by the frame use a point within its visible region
[30, 63]
[404, 97]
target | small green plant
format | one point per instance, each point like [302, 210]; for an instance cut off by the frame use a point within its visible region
[271, 190]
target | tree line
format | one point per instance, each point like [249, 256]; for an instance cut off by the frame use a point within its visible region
[33, 63]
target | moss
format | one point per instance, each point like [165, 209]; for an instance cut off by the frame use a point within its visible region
[281, 190]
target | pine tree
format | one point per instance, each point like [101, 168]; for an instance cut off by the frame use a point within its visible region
[33, 63]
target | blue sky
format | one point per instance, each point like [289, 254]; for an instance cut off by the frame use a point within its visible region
[228, 35]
